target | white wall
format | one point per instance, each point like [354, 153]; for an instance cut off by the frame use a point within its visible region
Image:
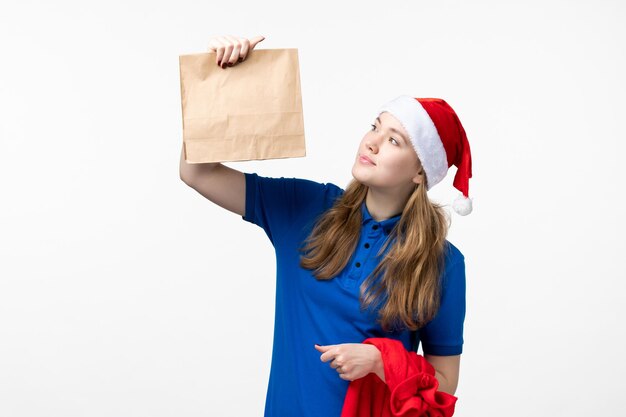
[125, 293]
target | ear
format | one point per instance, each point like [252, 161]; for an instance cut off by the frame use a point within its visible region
[419, 177]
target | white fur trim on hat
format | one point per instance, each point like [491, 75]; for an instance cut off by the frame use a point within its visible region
[423, 135]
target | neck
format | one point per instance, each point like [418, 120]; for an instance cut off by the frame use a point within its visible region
[383, 205]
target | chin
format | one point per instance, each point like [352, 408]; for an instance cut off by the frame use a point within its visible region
[355, 173]
[359, 177]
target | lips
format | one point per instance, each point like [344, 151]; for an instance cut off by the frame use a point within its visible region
[365, 159]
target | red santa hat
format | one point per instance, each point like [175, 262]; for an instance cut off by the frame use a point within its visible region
[439, 141]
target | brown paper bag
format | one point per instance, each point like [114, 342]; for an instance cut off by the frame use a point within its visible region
[252, 110]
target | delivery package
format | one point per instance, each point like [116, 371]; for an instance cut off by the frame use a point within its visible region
[250, 111]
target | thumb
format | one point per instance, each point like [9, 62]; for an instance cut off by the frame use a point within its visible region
[255, 40]
[322, 348]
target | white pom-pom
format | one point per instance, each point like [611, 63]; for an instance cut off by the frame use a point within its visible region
[462, 205]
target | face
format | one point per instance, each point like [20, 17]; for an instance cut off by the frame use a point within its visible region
[395, 165]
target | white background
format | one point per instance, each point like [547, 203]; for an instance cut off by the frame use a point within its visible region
[123, 292]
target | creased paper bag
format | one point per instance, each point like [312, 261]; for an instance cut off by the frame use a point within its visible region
[252, 110]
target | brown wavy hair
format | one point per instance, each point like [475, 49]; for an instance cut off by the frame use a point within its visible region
[409, 291]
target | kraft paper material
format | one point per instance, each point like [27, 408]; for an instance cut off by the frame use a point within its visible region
[250, 111]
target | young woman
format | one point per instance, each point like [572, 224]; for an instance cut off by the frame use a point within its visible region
[368, 261]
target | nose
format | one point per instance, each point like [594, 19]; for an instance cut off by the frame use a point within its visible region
[372, 144]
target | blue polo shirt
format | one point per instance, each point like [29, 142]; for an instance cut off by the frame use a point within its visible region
[327, 312]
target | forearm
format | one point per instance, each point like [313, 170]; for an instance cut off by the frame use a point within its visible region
[444, 385]
[191, 171]
[378, 368]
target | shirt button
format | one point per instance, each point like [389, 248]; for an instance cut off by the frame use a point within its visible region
[375, 227]
[358, 264]
[367, 245]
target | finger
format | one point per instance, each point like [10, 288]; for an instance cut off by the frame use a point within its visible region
[218, 46]
[234, 55]
[255, 40]
[213, 45]
[227, 50]
[245, 47]
[221, 49]
[328, 356]
[338, 360]
[345, 377]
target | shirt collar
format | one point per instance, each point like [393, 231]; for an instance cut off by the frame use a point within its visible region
[386, 224]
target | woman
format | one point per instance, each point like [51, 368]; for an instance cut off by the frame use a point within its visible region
[370, 261]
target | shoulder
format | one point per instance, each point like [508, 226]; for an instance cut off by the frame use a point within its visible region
[294, 182]
[452, 255]
[299, 191]
[454, 266]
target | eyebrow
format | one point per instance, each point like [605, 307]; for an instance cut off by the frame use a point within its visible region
[394, 130]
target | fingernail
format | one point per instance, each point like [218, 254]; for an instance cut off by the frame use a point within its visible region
[230, 64]
[223, 65]
[240, 59]
[219, 63]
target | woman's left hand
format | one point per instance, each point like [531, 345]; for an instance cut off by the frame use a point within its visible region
[352, 360]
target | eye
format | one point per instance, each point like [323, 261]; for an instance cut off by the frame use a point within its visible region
[374, 128]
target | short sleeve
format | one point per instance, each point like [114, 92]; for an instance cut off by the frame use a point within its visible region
[274, 204]
[443, 335]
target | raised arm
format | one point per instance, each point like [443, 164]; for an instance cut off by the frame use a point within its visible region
[222, 185]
